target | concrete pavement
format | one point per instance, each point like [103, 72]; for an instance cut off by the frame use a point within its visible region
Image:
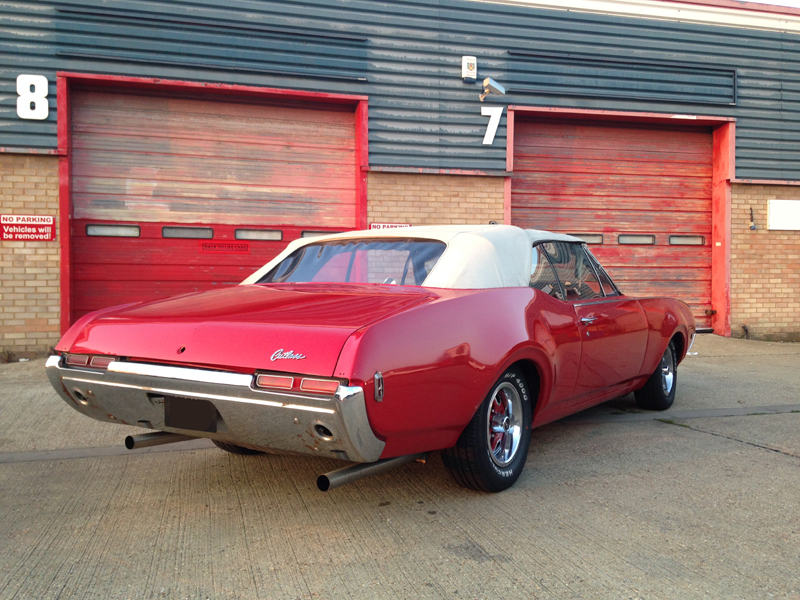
[614, 503]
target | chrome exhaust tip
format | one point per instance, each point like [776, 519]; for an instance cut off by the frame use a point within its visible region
[341, 477]
[157, 438]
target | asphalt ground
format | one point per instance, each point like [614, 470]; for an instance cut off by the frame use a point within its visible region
[702, 501]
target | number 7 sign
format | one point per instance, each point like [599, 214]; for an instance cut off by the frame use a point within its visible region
[494, 113]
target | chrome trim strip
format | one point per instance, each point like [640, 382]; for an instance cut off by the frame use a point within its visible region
[201, 395]
[277, 392]
[691, 343]
[345, 392]
[133, 368]
[605, 300]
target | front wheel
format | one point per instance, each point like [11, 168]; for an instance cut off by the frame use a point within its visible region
[659, 391]
[491, 452]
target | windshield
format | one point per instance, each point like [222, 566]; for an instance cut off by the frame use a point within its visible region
[393, 262]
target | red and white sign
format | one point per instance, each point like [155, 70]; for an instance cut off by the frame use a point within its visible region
[389, 225]
[27, 228]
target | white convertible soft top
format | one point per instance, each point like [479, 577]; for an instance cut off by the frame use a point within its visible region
[477, 256]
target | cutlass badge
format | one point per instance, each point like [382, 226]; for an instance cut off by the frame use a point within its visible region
[281, 355]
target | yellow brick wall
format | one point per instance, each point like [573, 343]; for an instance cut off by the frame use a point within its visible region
[421, 199]
[29, 271]
[765, 267]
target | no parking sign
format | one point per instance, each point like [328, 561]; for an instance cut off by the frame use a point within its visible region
[28, 228]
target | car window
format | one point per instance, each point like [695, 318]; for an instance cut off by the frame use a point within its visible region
[393, 262]
[573, 270]
[609, 287]
[542, 275]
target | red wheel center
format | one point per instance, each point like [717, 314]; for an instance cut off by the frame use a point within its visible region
[499, 418]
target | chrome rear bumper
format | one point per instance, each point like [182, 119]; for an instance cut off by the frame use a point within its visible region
[133, 393]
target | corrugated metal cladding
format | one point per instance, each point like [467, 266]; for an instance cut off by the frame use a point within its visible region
[613, 181]
[406, 56]
[180, 194]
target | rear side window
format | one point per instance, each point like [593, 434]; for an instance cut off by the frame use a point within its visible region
[542, 275]
[574, 270]
[393, 262]
[609, 287]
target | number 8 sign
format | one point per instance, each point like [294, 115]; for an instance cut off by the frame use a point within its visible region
[32, 102]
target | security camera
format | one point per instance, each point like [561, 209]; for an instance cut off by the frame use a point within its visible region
[490, 86]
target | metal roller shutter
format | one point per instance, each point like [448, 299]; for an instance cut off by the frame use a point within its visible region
[225, 170]
[619, 180]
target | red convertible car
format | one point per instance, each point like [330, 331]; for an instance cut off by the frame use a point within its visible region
[376, 347]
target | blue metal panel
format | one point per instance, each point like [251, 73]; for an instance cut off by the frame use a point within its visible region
[406, 57]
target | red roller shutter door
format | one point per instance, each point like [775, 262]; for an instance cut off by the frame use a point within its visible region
[201, 167]
[618, 179]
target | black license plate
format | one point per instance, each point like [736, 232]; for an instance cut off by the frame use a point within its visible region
[190, 413]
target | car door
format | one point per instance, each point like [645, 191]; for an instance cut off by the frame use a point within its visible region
[613, 328]
[552, 323]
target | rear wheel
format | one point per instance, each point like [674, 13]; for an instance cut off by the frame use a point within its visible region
[492, 450]
[234, 449]
[659, 391]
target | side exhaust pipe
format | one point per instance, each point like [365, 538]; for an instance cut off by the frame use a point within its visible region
[340, 477]
[133, 442]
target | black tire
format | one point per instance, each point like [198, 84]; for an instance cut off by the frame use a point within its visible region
[659, 391]
[234, 449]
[472, 461]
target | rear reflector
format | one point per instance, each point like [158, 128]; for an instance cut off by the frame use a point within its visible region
[101, 362]
[275, 382]
[77, 360]
[319, 386]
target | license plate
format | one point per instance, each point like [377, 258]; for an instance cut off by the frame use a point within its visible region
[190, 413]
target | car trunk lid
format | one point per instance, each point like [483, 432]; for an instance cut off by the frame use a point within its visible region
[297, 328]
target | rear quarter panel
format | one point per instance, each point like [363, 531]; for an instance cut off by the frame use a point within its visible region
[666, 318]
[439, 360]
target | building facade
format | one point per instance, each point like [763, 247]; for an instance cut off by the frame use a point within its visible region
[156, 149]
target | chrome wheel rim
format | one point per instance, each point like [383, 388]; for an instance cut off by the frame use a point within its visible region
[667, 371]
[504, 419]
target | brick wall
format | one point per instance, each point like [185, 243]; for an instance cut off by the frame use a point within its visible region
[765, 267]
[420, 199]
[29, 271]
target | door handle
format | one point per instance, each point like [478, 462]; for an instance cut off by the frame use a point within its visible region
[588, 320]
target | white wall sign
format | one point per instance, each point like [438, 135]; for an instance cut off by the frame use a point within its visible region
[32, 100]
[494, 113]
[389, 225]
[784, 214]
[469, 69]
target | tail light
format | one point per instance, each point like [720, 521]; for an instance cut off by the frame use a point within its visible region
[101, 362]
[77, 360]
[276, 382]
[319, 386]
[85, 360]
[288, 383]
